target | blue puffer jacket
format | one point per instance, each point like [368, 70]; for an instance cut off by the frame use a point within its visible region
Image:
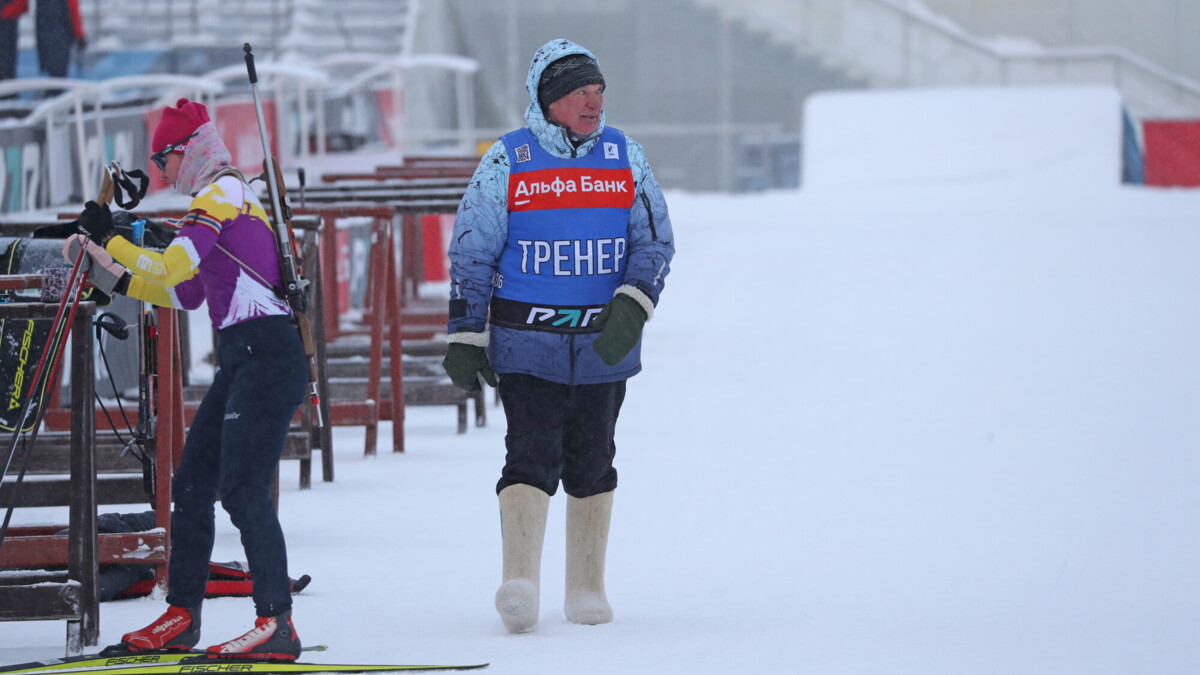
[481, 231]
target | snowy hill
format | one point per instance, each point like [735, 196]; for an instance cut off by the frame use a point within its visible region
[947, 427]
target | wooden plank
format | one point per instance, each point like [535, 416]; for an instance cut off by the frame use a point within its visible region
[29, 577]
[394, 326]
[83, 556]
[298, 444]
[415, 184]
[413, 367]
[407, 331]
[402, 189]
[413, 173]
[434, 390]
[411, 161]
[352, 413]
[41, 601]
[17, 282]
[37, 310]
[356, 345]
[52, 452]
[10, 228]
[323, 435]
[113, 489]
[113, 549]
[60, 418]
[387, 196]
[78, 599]
[396, 206]
[438, 391]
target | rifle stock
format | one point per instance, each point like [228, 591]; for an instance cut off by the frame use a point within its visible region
[295, 284]
[106, 187]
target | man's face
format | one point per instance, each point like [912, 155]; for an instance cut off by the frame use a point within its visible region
[579, 110]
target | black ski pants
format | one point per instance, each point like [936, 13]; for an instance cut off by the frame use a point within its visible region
[231, 453]
[560, 432]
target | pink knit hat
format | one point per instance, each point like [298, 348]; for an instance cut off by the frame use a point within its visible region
[178, 123]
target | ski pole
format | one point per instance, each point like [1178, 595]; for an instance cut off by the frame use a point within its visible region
[58, 335]
[51, 344]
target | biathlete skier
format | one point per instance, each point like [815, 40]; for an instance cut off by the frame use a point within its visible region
[225, 253]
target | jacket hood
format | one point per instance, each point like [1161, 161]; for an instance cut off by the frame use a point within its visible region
[205, 157]
[553, 137]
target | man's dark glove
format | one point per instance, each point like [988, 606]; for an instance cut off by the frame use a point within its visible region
[464, 363]
[622, 320]
[97, 221]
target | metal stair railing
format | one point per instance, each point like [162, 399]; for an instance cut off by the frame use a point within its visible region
[894, 44]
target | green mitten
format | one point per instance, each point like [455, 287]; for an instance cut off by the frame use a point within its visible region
[622, 320]
[464, 363]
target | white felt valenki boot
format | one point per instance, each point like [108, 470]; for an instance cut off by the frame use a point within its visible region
[587, 541]
[523, 526]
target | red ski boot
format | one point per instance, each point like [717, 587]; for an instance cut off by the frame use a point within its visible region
[272, 638]
[178, 629]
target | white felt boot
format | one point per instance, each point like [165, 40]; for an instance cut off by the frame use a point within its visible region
[523, 526]
[587, 542]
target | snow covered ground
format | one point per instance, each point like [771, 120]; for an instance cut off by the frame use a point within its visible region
[944, 427]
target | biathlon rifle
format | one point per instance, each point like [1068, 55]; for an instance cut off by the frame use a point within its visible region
[294, 283]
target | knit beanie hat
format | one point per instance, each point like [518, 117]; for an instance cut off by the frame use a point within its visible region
[178, 123]
[565, 76]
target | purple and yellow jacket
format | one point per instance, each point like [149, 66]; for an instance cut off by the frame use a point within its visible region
[224, 253]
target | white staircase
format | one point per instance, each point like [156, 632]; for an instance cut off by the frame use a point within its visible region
[900, 43]
[303, 29]
[324, 27]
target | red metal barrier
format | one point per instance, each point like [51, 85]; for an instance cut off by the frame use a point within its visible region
[1172, 152]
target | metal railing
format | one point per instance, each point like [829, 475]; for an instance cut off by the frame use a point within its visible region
[892, 43]
[76, 139]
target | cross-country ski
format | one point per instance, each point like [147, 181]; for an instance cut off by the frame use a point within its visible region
[190, 663]
[104, 660]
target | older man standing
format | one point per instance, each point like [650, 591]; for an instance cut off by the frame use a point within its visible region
[561, 247]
